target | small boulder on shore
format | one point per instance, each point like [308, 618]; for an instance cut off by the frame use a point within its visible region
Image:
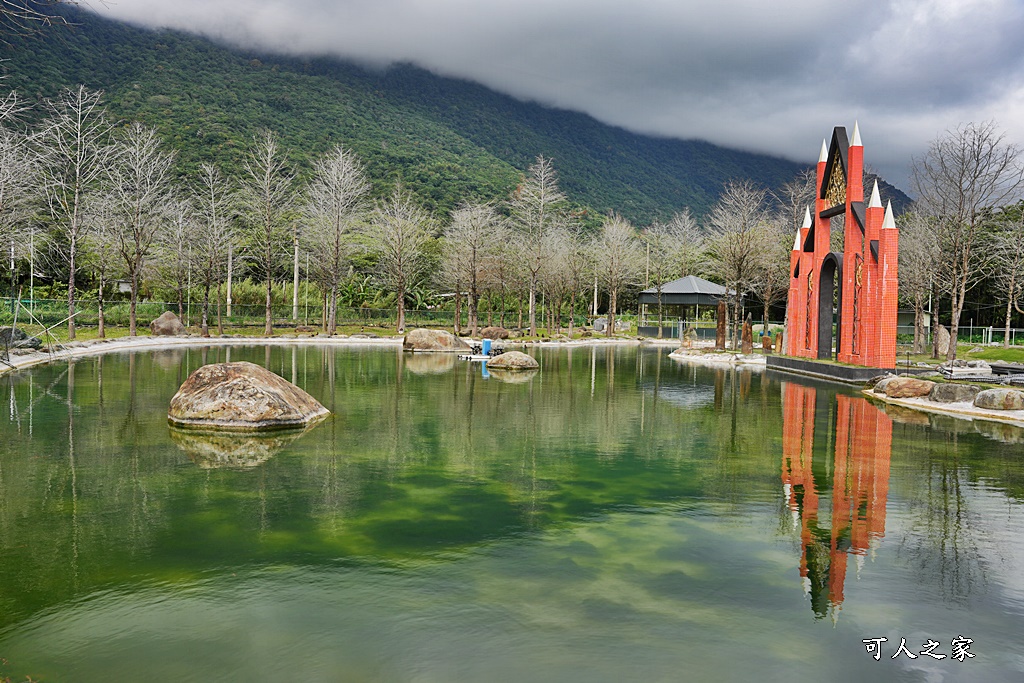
[432, 340]
[513, 360]
[241, 396]
[17, 338]
[494, 333]
[1000, 399]
[954, 393]
[167, 325]
[906, 387]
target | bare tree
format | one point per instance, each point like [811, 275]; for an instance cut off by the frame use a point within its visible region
[73, 151]
[1009, 260]
[267, 194]
[100, 249]
[966, 174]
[176, 248]
[537, 208]
[771, 284]
[795, 196]
[470, 247]
[139, 184]
[673, 251]
[399, 232]
[619, 260]
[920, 259]
[333, 209]
[737, 225]
[28, 17]
[577, 262]
[17, 190]
[213, 197]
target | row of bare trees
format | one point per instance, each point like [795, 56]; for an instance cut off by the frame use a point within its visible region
[966, 227]
[110, 200]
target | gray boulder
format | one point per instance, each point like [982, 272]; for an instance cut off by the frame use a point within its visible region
[494, 332]
[942, 335]
[999, 399]
[433, 340]
[907, 387]
[18, 338]
[241, 396]
[953, 393]
[167, 325]
[513, 360]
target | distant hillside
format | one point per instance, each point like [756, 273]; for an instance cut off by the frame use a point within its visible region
[448, 140]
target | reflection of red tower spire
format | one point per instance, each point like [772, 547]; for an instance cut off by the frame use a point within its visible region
[859, 482]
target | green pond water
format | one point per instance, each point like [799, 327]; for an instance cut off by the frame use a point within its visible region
[617, 516]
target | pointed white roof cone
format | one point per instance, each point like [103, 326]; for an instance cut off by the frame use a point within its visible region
[824, 151]
[856, 135]
[888, 221]
[796, 241]
[807, 217]
[876, 200]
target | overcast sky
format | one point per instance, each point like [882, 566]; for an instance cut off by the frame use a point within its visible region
[770, 76]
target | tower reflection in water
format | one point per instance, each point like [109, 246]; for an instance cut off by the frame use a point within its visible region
[835, 475]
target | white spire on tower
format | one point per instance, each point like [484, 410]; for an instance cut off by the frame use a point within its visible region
[807, 217]
[876, 200]
[888, 221]
[824, 151]
[856, 135]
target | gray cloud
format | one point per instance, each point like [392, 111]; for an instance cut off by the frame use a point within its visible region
[771, 77]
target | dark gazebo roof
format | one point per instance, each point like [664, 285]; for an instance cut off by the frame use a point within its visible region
[687, 291]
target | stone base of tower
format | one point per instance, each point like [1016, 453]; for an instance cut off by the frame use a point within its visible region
[847, 374]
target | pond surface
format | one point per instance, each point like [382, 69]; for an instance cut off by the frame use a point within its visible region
[615, 517]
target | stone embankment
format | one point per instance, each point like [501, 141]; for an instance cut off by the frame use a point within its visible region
[964, 400]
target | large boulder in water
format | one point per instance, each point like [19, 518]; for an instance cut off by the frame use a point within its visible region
[433, 340]
[167, 325]
[513, 360]
[241, 396]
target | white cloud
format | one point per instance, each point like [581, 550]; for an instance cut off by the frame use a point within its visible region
[772, 77]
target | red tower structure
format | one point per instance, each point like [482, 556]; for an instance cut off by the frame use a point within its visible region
[866, 271]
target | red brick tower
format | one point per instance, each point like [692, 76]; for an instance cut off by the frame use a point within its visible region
[866, 271]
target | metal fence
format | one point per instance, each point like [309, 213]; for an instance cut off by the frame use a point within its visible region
[52, 312]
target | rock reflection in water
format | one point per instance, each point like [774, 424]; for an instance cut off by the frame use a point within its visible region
[999, 431]
[213, 450]
[429, 363]
[512, 376]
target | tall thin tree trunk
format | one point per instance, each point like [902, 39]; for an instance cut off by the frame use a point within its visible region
[132, 329]
[268, 328]
[613, 296]
[205, 327]
[71, 287]
[533, 305]
[332, 324]
[102, 331]
[458, 311]
[1009, 311]
[400, 323]
[220, 320]
[230, 270]
[295, 277]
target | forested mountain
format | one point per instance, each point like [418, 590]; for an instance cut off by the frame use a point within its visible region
[448, 140]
